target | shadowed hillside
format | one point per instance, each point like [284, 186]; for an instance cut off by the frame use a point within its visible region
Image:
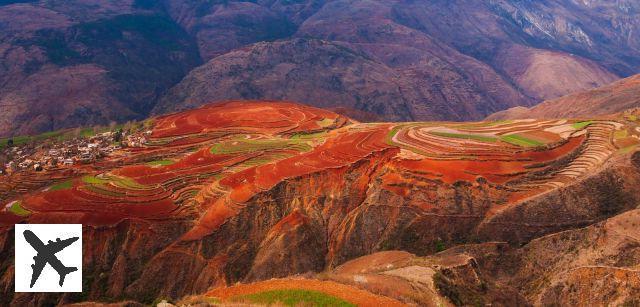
[72, 63]
[614, 98]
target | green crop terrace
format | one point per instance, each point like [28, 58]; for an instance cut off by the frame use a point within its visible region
[292, 297]
[521, 141]
[121, 182]
[241, 145]
[17, 209]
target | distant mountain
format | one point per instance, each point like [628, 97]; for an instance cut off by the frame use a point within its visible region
[70, 63]
[73, 63]
[610, 99]
[337, 74]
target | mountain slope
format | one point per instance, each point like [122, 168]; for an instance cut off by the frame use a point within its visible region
[455, 66]
[445, 60]
[329, 74]
[63, 72]
[549, 74]
[610, 99]
[483, 28]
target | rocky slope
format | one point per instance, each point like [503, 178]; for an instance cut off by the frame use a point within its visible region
[332, 75]
[597, 265]
[85, 63]
[243, 199]
[425, 77]
[548, 74]
[411, 61]
[610, 99]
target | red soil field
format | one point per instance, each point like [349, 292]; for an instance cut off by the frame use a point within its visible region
[340, 151]
[263, 116]
[96, 210]
[495, 171]
[217, 185]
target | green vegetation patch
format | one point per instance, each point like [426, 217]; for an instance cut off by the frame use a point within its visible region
[161, 163]
[18, 140]
[475, 137]
[392, 133]
[326, 122]
[149, 124]
[237, 146]
[309, 136]
[24, 139]
[519, 140]
[65, 185]
[582, 125]
[94, 180]
[122, 182]
[292, 297]
[17, 209]
[128, 183]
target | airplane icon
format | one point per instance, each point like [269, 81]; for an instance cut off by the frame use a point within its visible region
[46, 254]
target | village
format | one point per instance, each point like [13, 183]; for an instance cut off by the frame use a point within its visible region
[38, 156]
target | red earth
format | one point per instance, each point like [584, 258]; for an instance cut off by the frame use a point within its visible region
[220, 182]
[332, 189]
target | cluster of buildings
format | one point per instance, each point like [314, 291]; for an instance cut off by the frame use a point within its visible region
[136, 140]
[51, 155]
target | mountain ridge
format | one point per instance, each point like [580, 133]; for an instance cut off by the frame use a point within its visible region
[607, 100]
[434, 68]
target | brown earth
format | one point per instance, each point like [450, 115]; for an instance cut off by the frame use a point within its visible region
[596, 265]
[549, 74]
[609, 99]
[387, 60]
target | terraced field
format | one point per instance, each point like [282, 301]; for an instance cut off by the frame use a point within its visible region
[218, 157]
[220, 167]
[227, 139]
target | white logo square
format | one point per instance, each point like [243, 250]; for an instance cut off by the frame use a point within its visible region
[48, 257]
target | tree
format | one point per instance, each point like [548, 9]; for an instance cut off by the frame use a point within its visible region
[117, 136]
